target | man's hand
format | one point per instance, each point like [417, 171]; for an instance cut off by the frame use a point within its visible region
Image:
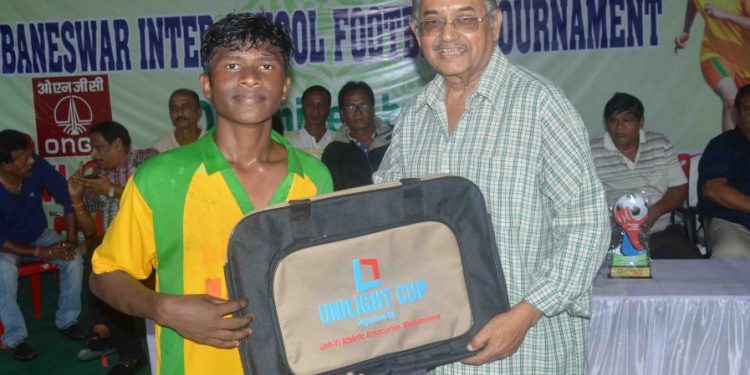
[200, 318]
[60, 250]
[502, 335]
[648, 223]
[75, 187]
[99, 185]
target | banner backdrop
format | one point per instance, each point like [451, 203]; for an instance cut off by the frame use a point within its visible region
[68, 64]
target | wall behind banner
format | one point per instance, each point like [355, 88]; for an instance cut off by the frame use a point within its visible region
[146, 49]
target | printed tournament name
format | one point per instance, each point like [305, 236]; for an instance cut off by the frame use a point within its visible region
[371, 303]
[351, 339]
[173, 42]
[352, 34]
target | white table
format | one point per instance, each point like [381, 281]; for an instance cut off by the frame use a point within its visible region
[693, 317]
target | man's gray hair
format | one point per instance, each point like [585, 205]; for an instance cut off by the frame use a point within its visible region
[491, 5]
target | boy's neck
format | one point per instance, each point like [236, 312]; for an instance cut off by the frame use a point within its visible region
[243, 145]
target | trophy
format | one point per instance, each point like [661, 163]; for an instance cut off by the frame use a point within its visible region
[629, 255]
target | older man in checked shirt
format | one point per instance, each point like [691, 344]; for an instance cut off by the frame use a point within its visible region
[515, 135]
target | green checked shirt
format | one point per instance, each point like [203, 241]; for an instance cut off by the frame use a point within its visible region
[522, 142]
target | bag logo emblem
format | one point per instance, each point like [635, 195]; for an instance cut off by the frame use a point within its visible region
[359, 281]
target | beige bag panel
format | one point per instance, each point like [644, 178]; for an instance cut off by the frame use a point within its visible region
[327, 323]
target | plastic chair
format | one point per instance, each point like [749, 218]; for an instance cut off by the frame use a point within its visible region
[684, 160]
[2, 330]
[693, 219]
[34, 271]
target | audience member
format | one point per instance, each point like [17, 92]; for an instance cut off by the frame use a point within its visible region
[116, 161]
[25, 237]
[629, 159]
[724, 185]
[184, 111]
[314, 135]
[358, 147]
[178, 210]
[515, 135]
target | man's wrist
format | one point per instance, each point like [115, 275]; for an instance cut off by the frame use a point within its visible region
[530, 311]
[37, 251]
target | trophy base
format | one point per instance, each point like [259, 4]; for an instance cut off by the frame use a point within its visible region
[630, 272]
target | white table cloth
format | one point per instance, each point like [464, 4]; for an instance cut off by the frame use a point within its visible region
[693, 317]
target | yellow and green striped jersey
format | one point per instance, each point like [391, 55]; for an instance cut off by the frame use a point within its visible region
[176, 215]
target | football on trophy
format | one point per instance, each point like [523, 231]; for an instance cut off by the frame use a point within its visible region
[634, 203]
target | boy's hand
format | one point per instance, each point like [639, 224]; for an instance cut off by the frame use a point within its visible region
[201, 318]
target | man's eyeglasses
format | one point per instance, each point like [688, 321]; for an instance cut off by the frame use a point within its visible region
[351, 108]
[463, 24]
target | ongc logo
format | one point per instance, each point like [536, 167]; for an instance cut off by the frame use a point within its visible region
[73, 114]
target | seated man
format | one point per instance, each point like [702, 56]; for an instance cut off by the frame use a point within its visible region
[724, 184]
[359, 146]
[115, 161]
[314, 135]
[184, 111]
[24, 237]
[178, 210]
[630, 159]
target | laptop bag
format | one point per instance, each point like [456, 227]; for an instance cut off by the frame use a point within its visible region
[384, 279]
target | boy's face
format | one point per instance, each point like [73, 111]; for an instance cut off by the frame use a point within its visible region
[246, 86]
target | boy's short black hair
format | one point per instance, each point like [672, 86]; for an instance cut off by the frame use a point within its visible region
[245, 30]
[622, 102]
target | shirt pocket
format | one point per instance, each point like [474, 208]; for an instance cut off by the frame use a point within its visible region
[508, 183]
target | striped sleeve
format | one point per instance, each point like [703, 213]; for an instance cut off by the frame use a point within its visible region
[129, 242]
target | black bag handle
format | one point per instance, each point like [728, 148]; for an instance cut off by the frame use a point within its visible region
[299, 214]
[413, 197]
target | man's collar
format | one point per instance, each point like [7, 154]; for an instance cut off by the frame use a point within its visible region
[493, 76]
[303, 130]
[487, 87]
[609, 144]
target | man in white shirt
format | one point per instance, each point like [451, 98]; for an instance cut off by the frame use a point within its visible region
[629, 159]
[314, 135]
[184, 111]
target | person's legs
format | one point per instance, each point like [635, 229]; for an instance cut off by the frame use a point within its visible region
[728, 240]
[100, 342]
[71, 282]
[125, 335]
[671, 243]
[10, 313]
